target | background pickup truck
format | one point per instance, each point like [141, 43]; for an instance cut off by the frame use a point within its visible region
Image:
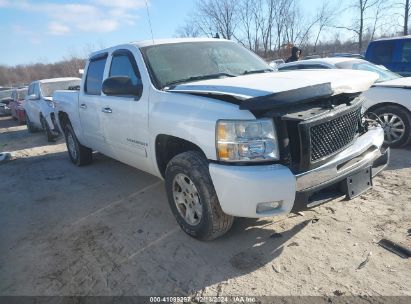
[229, 136]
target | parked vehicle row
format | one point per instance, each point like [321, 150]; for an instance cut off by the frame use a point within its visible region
[229, 136]
[5, 97]
[388, 100]
[17, 105]
[39, 105]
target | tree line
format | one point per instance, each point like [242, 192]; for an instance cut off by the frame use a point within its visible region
[266, 26]
[21, 75]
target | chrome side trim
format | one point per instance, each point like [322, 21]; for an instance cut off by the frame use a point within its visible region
[363, 152]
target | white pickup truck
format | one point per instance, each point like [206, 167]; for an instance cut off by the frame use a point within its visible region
[229, 136]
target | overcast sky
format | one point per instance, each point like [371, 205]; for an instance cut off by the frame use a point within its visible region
[48, 31]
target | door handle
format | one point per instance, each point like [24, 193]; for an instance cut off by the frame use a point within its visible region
[83, 106]
[106, 110]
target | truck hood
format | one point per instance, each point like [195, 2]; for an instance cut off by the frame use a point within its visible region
[258, 85]
[402, 82]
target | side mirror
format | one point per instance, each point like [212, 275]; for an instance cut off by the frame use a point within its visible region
[32, 97]
[121, 86]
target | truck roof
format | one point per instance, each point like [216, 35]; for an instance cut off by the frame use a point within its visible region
[144, 43]
[56, 79]
[394, 38]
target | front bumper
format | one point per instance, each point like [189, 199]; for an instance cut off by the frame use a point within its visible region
[241, 188]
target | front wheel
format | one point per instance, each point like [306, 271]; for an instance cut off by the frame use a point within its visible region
[30, 125]
[46, 128]
[396, 123]
[79, 154]
[193, 199]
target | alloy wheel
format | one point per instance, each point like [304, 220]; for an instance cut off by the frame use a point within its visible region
[187, 199]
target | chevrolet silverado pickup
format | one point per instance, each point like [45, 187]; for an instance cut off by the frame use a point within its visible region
[230, 137]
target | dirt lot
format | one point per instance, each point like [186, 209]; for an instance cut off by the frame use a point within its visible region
[106, 229]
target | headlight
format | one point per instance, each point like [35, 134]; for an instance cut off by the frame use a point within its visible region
[246, 140]
[50, 104]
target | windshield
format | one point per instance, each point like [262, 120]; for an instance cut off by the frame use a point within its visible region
[384, 74]
[48, 88]
[182, 62]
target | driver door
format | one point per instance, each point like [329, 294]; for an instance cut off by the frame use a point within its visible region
[125, 118]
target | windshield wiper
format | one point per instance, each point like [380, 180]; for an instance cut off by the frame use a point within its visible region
[257, 71]
[200, 77]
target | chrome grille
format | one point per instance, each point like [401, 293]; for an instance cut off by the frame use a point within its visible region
[331, 136]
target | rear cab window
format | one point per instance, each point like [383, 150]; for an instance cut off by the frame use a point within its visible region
[382, 52]
[95, 73]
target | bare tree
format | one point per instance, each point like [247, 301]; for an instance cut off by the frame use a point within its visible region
[381, 7]
[190, 29]
[216, 16]
[324, 19]
[251, 24]
[361, 7]
[406, 6]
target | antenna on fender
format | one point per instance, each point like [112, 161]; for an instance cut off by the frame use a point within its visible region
[149, 22]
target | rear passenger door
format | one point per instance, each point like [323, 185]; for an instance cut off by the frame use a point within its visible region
[125, 118]
[90, 103]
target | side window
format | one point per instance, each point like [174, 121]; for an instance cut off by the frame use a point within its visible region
[124, 65]
[30, 90]
[289, 68]
[94, 76]
[36, 90]
[312, 67]
[382, 52]
[406, 52]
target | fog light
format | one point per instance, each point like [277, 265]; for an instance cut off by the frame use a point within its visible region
[268, 207]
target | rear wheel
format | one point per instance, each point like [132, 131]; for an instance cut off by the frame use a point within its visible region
[192, 197]
[396, 123]
[79, 154]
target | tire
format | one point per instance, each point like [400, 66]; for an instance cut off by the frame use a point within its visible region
[201, 215]
[79, 154]
[29, 125]
[46, 128]
[401, 120]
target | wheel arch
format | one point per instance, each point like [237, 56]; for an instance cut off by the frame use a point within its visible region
[168, 146]
[63, 119]
[385, 104]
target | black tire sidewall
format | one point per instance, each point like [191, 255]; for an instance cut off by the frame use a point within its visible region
[201, 229]
[29, 124]
[68, 130]
[405, 117]
[50, 136]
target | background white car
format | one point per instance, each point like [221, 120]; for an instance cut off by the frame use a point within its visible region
[39, 105]
[389, 98]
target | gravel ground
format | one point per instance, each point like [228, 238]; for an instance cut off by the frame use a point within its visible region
[106, 229]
